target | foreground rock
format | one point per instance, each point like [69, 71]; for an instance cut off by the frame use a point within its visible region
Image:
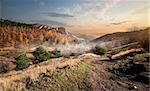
[6, 64]
[137, 67]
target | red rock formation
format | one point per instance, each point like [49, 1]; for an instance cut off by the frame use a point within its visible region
[21, 37]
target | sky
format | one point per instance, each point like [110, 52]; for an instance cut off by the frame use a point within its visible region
[93, 17]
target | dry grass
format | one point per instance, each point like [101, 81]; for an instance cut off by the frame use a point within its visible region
[66, 78]
[10, 80]
[14, 79]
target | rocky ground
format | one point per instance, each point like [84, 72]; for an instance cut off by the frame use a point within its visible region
[127, 69]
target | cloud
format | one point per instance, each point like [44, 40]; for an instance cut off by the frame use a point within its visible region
[119, 23]
[108, 5]
[91, 11]
[54, 14]
[49, 22]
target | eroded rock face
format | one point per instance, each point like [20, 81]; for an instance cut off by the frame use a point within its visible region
[29, 37]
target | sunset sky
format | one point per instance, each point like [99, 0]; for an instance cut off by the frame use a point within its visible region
[93, 17]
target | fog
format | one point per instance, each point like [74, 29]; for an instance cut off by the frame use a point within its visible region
[76, 48]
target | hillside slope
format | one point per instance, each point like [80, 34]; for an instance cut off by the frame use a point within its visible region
[26, 35]
[121, 38]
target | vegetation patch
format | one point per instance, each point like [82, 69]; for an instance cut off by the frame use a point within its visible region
[6, 23]
[41, 54]
[21, 61]
[99, 50]
[68, 78]
[113, 52]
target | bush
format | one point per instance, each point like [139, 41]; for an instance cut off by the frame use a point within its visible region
[41, 54]
[56, 53]
[22, 61]
[98, 50]
[113, 52]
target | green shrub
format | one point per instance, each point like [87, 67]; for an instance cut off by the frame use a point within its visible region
[21, 61]
[113, 52]
[98, 50]
[56, 53]
[41, 54]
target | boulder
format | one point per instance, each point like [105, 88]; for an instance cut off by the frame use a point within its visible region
[6, 66]
[142, 77]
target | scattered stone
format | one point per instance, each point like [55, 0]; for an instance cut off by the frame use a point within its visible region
[122, 84]
[133, 88]
[30, 56]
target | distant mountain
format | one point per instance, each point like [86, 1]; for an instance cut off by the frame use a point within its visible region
[14, 34]
[120, 38]
[85, 36]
